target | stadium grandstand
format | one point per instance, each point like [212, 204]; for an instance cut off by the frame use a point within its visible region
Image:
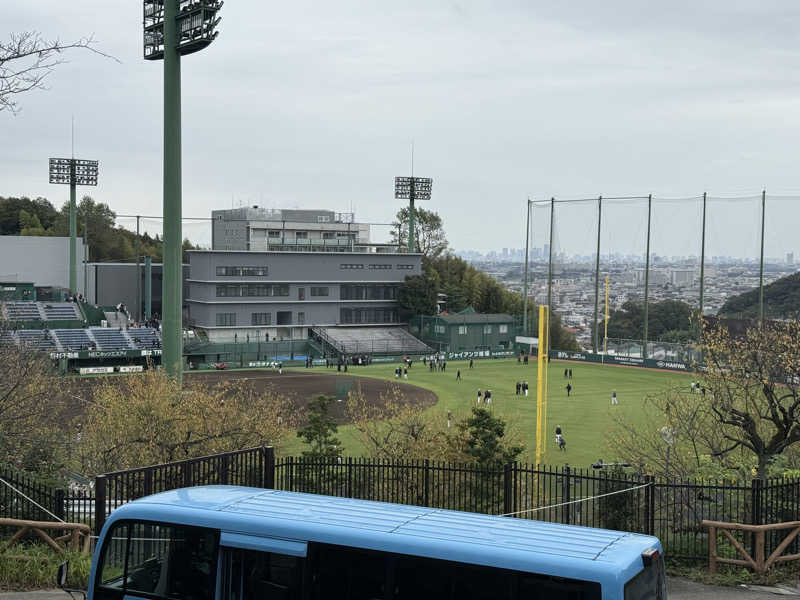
[368, 340]
[77, 335]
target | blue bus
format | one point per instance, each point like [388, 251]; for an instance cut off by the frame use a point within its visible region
[238, 543]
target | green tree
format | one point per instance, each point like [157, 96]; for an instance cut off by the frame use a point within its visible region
[30, 224]
[320, 432]
[430, 238]
[10, 212]
[485, 442]
[417, 295]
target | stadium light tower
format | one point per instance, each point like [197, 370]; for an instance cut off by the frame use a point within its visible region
[173, 28]
[73, 172]
[411, 189]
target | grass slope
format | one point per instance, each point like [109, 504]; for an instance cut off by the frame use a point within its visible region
[586, 417]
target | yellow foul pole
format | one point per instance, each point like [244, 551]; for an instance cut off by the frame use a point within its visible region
[541, 386]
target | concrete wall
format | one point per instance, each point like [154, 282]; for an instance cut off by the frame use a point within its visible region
[41, 260]
[112, 283]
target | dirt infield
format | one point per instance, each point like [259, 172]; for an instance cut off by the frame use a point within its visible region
[301, 387]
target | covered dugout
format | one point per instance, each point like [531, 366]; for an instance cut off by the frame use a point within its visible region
[466, 331]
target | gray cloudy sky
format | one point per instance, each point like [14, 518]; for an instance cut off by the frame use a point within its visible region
[315, 104]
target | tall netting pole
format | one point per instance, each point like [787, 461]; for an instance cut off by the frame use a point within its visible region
[647, 275]
[541, 384]
[595, 342]
[761, 268]
[702, 262]
[525, 279]
[550, 256]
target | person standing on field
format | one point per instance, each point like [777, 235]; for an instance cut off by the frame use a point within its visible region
[569, 389]
[614, 397]
[458, 375]
[479, 396]
[519, 387]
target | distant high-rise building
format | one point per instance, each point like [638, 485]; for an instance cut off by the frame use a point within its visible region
[790, 258]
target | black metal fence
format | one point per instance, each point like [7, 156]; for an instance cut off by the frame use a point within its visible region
[670, 510]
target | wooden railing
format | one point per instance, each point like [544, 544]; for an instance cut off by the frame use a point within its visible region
[76, 532]
[760, 564]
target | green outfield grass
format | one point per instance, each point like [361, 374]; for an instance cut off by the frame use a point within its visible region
[586, 417]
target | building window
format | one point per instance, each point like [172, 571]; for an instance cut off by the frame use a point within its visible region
[242, 271]
[284, 317]
[301, 318]
[503, 328]
[440, 329]
[261, 319]
[251, 290]
[319, 291]
[323, 219]
[462, 330]
[353, 291]
[405, 267]
[301, 235]
[368, 315]
[226, 319]
[301, 293]
[328, 235]
[274, 233]
[487, 329]
[380, 266]
[351, 266]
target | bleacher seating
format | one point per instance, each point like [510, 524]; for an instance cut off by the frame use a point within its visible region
[22, 311]
[36, 338]
[109, 338]
[72, 339]
[145, 337]
[60, 311]
[371, 340]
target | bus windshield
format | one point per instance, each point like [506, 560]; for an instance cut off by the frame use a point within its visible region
[166, 561]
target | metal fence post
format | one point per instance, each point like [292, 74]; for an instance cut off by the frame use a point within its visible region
[756, 489]
[427, 483]
[649, 505]
[223, 469]
[565, 495]
[507, 493]
[187, 473]
[148, 481]
[269, 468]
[58, 509]
[99, 503]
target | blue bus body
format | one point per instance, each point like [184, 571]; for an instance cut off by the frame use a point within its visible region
[287, 522]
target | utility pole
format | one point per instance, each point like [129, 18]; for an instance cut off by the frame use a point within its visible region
[550, 258]
[702, 261]
[138, 272]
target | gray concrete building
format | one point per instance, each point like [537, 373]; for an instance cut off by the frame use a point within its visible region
[280, 295]
[41, 260]
[112, 283]
[261, 229]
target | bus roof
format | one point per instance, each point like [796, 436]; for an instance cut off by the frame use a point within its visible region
[525, 545]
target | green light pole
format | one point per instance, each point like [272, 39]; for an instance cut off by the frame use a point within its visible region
[173, 28]
[411, 189]
[73, 172]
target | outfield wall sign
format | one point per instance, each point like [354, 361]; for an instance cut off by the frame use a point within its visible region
[630, 361]
[84, 354]
[479, 354]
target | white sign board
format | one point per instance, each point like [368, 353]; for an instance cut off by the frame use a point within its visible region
[96, 370]
[132, 369]
[530, 341]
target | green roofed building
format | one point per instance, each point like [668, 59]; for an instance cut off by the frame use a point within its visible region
[467, 331]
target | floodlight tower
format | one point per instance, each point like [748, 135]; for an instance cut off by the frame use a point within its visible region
[412, 188]
[73, 172]
[173, 28]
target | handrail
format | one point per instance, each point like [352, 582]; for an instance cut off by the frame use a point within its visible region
[76, 531]
[760, 564]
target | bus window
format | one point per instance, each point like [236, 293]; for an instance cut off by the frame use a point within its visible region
[540, 586]
[261, 576]
[166, 561]
[348, 573]
[430, 579]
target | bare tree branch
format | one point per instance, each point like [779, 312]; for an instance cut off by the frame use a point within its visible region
[27, 59]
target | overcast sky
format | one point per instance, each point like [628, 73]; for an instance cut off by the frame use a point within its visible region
[315, 105]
